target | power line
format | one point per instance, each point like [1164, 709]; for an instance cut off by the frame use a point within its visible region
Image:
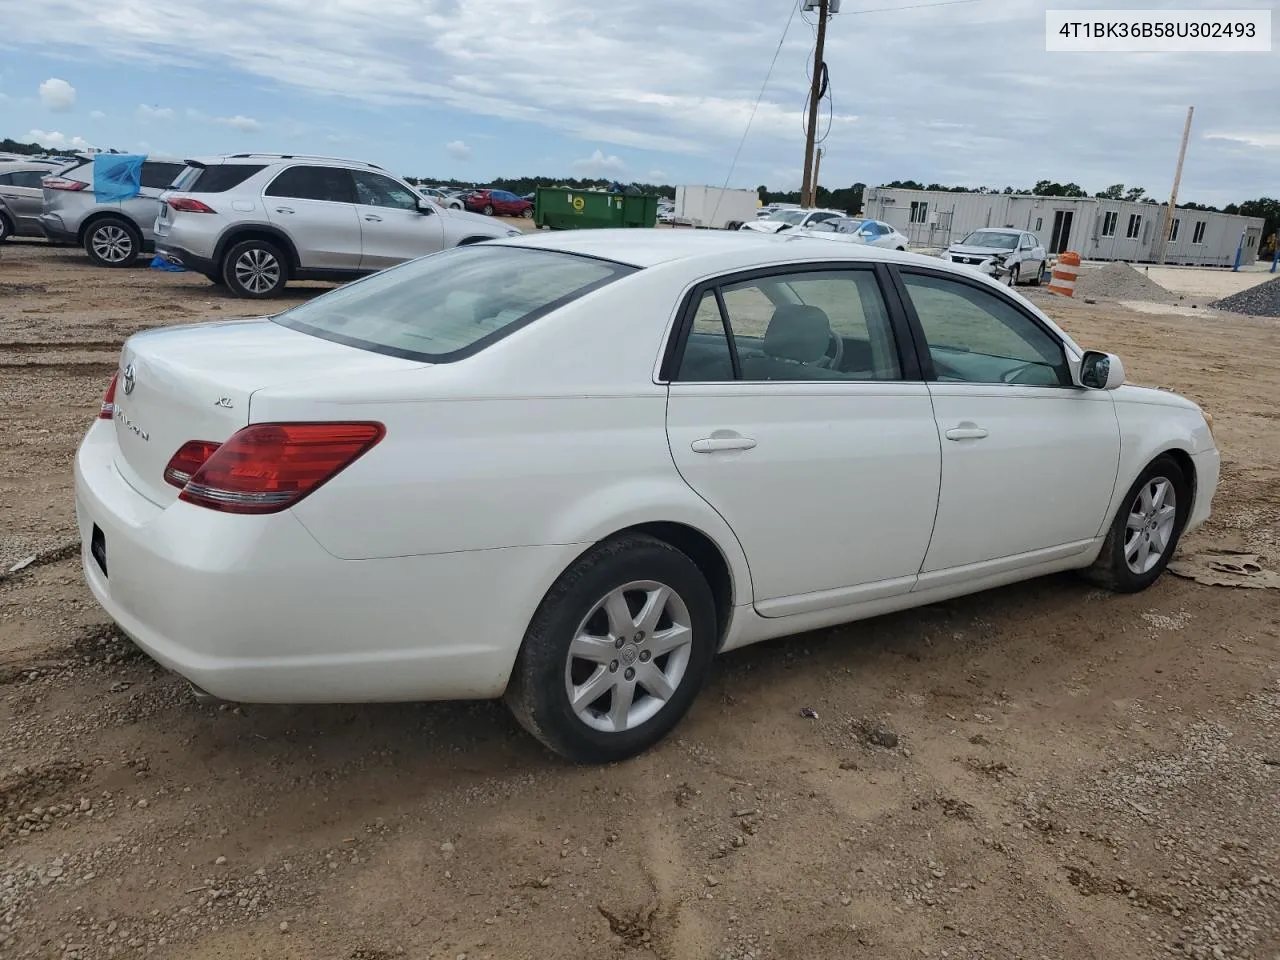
[756, 106]
[913, 6]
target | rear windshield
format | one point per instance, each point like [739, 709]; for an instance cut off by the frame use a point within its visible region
[452, 304]
[215, 179]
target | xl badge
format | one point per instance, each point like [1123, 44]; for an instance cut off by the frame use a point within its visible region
[129, 380]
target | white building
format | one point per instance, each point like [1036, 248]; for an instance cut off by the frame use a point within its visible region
[1095, 229]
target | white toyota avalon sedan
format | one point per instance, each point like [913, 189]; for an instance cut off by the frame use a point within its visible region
[567, 469]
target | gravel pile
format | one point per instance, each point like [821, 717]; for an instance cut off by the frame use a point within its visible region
[1120, 281]
[1262, 300]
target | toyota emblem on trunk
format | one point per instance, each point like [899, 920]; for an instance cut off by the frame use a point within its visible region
[128, 380]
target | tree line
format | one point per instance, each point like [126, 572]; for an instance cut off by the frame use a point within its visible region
[848, 198]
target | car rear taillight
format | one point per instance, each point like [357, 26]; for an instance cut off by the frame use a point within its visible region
[191, 456]
[62, 183]
[189, 205]
[108, 410]
[268, 467]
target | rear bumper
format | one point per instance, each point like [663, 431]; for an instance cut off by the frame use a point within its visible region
[185, 258]
[54, 229]
[254, 609]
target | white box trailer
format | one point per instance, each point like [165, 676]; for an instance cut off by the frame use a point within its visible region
[714, 207]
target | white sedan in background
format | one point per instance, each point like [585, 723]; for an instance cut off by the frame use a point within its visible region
[875, 233]
[1013, 255]
[569, 468]
[789, 218]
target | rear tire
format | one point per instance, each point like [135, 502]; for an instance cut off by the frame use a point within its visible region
[1035, 281]
[254, 269]
[488, 210]
[112, 242]
[1143, 536]
[631, 688]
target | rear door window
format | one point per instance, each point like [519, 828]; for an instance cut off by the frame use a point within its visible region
[314, 183]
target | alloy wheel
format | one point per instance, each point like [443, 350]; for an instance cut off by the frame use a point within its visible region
[1149, 527]
[628, 656]
[257, 270]
[112, 244]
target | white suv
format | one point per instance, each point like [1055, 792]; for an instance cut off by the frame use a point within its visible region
[254, 221]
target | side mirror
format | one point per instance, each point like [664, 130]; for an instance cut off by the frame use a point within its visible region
[1101, 371]
[425, 207]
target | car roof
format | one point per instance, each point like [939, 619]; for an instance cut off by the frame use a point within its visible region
[20, 166]
[650, 247]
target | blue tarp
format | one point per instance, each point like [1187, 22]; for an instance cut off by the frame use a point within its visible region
[117, 176]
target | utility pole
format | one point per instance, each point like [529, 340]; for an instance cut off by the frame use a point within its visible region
[815, 97]
[1173, 195]
[817, 166]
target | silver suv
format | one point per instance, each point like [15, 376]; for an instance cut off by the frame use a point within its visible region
[21, 197]
[112, 233]
[254, 221]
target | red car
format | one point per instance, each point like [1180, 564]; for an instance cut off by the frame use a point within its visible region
[504, 203]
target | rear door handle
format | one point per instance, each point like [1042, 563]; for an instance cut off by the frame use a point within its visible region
[716, 444]
[966, 431]
[372, 218]
[284, 209]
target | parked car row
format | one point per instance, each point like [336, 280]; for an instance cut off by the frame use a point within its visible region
[251, 222]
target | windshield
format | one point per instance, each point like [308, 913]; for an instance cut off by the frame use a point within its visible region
[996, 240]
[450, 305]
[787, 216]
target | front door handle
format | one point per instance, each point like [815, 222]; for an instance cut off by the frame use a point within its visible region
[966, 431]
[717, 444]
[372, 218]
[284, 209]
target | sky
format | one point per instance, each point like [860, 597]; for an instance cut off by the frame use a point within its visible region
[648, 90]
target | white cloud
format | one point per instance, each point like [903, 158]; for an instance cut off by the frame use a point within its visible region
[57, 140]
[598, 165]
[1266, 140]
[656, 175]
[146, 114]
[98, 115]
[241, 123]
[57, 95]
[458, 150]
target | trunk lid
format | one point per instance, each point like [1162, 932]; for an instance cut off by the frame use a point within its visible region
[195, 383]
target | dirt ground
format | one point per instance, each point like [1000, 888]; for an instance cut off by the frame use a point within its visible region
[1042, 771]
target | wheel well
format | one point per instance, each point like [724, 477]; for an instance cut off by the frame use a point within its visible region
[106, 215]
[1188, 468]
[702, 550]
[257, 233]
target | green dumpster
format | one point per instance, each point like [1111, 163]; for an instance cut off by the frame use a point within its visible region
[562, 209]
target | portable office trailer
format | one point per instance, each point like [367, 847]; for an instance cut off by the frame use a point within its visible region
[1096, 229]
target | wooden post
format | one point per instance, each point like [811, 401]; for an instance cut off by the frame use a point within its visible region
[815, 91]
[1173, 195]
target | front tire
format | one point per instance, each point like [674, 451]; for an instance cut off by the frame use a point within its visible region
[6, 228]
[254, 269]
[1146, 529]
[616, 652]
[527, 213]
[1014, 275]
[112, 242]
